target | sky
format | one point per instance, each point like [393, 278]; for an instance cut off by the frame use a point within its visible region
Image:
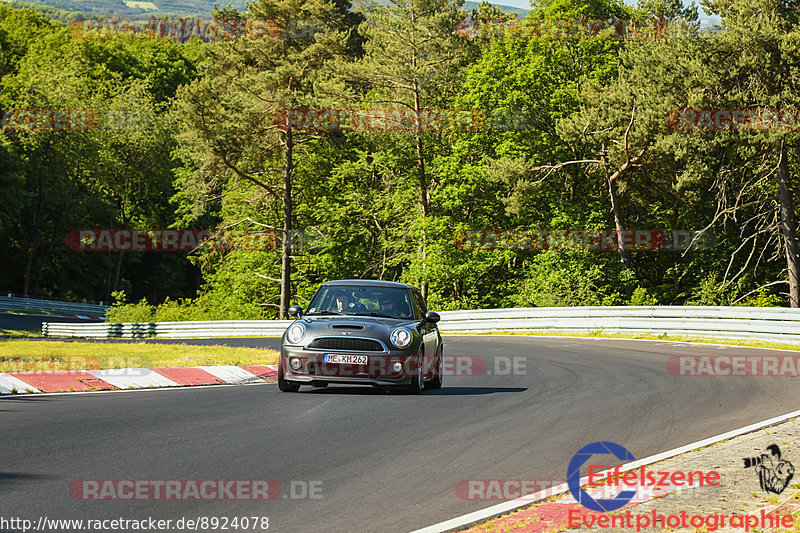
[525, 4]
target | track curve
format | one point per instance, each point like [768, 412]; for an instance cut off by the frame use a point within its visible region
[386, 462]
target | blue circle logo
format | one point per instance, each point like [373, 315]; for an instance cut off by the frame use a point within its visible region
[574, 477]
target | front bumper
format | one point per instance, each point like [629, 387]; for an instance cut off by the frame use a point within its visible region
[380, 368]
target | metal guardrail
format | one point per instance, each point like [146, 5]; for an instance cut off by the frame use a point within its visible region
[168, 330]
[32, 305]
[765, 323]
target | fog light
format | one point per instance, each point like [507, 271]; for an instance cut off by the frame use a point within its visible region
[295, 363]
[397, 366]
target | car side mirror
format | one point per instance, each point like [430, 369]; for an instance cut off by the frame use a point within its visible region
[295, 311]
[432, 317]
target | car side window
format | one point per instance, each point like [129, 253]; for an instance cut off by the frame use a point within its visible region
[415, 303]
[419, 304]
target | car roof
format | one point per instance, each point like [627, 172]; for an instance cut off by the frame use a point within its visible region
[366, 282]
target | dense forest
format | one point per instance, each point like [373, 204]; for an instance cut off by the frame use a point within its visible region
[434, 133]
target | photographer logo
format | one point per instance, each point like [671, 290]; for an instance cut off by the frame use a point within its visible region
[774, 473]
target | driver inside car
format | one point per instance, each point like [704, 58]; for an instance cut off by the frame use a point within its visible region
[387, 307]
[345, 304]
[395, 308]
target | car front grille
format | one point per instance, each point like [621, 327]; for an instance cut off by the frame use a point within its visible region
[345, 343]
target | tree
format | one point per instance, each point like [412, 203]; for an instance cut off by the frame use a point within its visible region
[238, 119]
[88, 172]
[411, 64]
[759, 45]
[529, 85]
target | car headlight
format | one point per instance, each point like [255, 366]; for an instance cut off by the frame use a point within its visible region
[296, 333]
[401, 337]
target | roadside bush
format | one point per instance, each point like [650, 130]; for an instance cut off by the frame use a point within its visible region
[208, 306]
[554, 280]
[133, 312]
[640, 296]
[764, 298]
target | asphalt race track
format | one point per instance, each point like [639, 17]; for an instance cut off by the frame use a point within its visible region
[386, 462]
[31, 322]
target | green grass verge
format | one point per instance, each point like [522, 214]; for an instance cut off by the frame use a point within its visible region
[19, 333]
[644, 336]
[30, 356]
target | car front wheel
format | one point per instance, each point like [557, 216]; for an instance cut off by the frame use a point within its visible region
[417, 384]
[284, 385]
[436, 382]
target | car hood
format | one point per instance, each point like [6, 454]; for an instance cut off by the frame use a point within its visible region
[355, 325]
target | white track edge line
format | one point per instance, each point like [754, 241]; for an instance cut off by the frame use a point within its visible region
[469, 519]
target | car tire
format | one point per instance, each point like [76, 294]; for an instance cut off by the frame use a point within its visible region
[417, 385]
[436, 382]
[285, 385]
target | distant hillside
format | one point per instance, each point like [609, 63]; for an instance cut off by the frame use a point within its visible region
[129, 8]
[469, 6]
[65, 10]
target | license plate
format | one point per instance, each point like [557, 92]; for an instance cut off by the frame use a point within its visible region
[345, 358]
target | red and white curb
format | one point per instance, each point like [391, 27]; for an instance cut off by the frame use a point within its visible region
[133, 378]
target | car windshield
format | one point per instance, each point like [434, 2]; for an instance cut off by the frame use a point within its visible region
[390, 302]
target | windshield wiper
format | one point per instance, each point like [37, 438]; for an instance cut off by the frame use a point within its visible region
[382, 315]
[324, 313]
